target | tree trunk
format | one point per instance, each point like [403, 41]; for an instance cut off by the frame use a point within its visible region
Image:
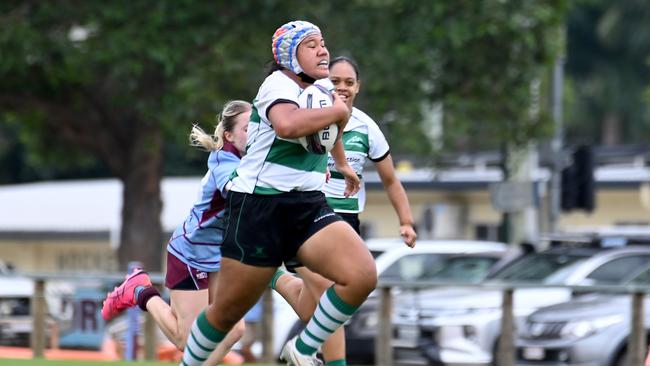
[141, 237]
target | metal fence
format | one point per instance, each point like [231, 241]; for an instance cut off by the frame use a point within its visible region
[383, 349]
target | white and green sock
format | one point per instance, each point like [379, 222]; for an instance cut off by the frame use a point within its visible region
[278, 273]
[330, 314]
[203, 339]
[337, 363]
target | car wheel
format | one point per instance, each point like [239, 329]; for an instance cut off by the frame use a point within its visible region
[297, 327]
[495, 352]
[621, 360]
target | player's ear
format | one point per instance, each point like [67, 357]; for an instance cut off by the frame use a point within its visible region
[228, 136]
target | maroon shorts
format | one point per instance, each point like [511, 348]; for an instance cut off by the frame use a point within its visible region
[181, 276]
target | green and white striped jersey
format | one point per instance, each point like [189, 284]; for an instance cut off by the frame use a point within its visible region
[273, 165]
[362, 139]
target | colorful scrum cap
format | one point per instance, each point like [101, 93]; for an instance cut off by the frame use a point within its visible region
[286, 40]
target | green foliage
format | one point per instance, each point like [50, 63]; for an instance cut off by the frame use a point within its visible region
[608, 45]
[477, 57]
[113, 84]
[121, 68]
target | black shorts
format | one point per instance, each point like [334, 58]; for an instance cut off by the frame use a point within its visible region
[266, 230]
[350, 218]
[353, 220]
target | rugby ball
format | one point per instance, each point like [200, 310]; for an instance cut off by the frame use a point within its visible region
[316, 96]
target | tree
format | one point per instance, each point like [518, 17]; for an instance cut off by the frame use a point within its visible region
[117, 83]
[107, 80]
[608, 43]
[477, 58]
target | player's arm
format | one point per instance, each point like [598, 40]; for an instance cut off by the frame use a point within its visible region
[223, 173]
[291, 122]
[398, 199]
[352, 181]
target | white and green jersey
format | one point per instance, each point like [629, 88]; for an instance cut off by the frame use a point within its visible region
[273, 165]
[362, 139]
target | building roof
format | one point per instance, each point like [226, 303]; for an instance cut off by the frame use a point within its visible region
[92, 208]
[481, 176]
[86, 207]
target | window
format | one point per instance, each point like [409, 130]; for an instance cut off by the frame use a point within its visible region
[466, 268]
[488, 232]
[618, 270]
[538, 267]
[413, 267]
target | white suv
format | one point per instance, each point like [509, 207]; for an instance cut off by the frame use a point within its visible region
[398, 262]
[472, 259]
[15, 296]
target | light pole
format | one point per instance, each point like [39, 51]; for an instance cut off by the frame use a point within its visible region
[557, 141]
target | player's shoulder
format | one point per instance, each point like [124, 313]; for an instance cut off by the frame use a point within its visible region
[221, 157]
[361, 117]
[325, 83]
[278, 80]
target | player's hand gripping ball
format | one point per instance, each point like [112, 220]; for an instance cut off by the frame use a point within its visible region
[316, 96]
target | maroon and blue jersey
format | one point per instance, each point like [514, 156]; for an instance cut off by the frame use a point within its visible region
[197, 241]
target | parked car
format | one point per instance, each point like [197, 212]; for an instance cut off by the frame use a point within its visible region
[453, 260]
[462, 325]
[592, 329]
[16, 292]
[15, 298]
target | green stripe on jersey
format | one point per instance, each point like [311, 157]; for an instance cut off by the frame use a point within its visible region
[356, 141]
[266, 190]
[255, 115]
[293, 155]
[348, 204]
[336, 175]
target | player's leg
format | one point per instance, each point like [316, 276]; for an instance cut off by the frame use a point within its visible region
[188, 289]
[251, 335]
[353, 273]
[186, 303]
[176, 319]
[233, 336]
[292, 290]
[238, 288]
[334, 347]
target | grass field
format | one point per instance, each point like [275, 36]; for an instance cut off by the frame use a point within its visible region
[8, 362]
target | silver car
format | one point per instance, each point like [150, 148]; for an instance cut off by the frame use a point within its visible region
[591, 330]
[461, 326]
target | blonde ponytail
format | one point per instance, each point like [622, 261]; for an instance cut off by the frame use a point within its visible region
[202, 140]
[226, 123]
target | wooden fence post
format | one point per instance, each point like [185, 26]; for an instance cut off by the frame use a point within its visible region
[383, 347]
[506, 346]
[268, 355]
[637, 342]
[39, 311]
[149, 337]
